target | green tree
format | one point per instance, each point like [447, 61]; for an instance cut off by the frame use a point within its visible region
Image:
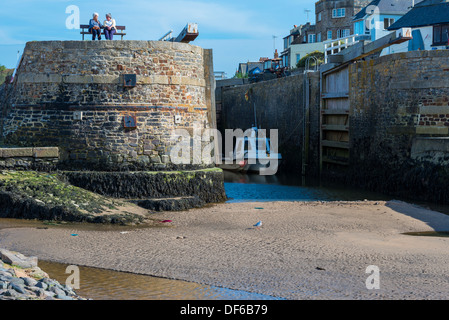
[4, 72]
[239, 75]
[317, 54]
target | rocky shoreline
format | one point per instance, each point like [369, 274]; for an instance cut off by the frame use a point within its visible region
[22, 279]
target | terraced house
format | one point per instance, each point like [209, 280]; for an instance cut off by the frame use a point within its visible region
[374, 20]
[429, 21]
[334, 17]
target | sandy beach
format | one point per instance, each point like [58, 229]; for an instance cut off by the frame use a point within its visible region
[304, 250]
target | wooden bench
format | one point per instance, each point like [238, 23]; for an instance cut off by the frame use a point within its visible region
[84, 27]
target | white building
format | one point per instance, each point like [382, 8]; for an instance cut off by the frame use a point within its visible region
[429, 21]
[300, 42]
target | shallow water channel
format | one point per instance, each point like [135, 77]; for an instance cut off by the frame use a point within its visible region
[99, 284]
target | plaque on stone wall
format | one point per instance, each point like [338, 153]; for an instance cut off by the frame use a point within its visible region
[129, 80]
[129, 122]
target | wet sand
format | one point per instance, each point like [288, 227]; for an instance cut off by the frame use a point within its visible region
[304, 250]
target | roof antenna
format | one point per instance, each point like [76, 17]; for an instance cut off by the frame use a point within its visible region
[307, 12]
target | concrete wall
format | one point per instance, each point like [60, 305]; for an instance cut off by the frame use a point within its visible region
[58, 80]
[277, 104]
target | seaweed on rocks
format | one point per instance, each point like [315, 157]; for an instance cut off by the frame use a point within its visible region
[42, 196]
[205, 184]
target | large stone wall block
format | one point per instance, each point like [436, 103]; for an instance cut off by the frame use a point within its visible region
[46, 152]
[17, 152]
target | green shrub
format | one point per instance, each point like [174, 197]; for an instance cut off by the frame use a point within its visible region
[317, 54]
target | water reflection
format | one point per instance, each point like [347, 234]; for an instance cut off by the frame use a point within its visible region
[282, 187]
[100, 284]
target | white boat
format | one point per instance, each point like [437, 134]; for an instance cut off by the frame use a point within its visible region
[252, 154]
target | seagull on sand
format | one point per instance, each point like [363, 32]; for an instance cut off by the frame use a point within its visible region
[258, 225]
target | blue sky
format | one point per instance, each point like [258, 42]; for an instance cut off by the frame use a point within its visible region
[237, 31]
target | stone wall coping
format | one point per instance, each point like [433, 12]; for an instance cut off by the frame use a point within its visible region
[35, 152]
[420, 54]
[122, 44]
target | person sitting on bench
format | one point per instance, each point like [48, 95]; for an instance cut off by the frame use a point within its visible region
[95, 27]
[109, 27]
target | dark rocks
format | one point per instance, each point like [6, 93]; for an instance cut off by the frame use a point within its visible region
[207, 185]
[13, 287]
[20, 288]
[30, 282]
[408, 180]
[171, 204]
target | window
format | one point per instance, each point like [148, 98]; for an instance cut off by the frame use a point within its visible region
[285, 60]
[338, 13]
[367, 31]
[287, 42]
[319, 17]
[312, 38]
[342, 33]
[361, 28]
[388, 22]
[440, 35]
[298, 57]
[318, 37]
[267, 64]
[329, 35]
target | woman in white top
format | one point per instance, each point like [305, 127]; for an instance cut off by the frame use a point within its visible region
[109, 27]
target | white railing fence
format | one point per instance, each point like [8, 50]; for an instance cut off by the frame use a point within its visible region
[335, 46]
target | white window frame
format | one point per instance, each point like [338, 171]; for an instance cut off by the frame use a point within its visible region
[343, 33]
[311, 38]
[390, 22]
[339, 13]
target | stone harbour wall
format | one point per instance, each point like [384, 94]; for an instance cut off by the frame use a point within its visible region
[278, 104]
[71, 94]
[399, 105]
